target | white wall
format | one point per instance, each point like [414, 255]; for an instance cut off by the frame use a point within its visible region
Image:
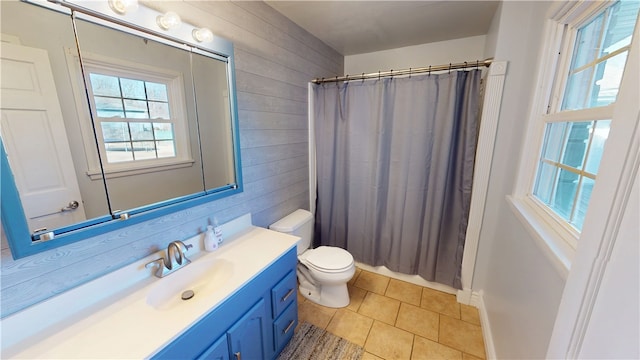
[438, 53]
[521, 288]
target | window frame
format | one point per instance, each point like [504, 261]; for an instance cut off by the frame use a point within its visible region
[556, 236]
[94, 63]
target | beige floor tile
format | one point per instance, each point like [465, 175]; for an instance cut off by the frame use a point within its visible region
[440, 302]
[418, 321]
[355, 276]
[372, 282]
[380, 308]
[462, 336]
[404, 291]
[301, 298]
[424, 349]
[389, 342]
[370, 356]
[356, 295]
[469, 314]
[350, 325]
[315, 314]
[466, 356]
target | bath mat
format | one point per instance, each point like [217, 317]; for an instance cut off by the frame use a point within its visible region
[313, 343]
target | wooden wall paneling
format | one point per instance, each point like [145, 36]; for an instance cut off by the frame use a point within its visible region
[255, 64]
[260, 85]
[255, 120]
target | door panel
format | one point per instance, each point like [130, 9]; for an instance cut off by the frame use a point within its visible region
[36, 142]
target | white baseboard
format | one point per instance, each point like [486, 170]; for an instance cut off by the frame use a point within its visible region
[477, 300]
[464, 296]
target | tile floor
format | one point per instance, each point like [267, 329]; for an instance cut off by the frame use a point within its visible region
[393, 319]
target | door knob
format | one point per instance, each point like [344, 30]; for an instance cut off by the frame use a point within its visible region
[71, 206]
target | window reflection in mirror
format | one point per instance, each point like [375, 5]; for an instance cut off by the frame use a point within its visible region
[40, 125]
[142, 102]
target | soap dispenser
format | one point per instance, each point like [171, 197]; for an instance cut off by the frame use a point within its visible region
[210, 241]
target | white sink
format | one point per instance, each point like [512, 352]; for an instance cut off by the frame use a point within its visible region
[203, 277]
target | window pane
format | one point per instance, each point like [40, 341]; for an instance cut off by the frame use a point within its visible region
[545, 182]
[136, 109]
[577, 91]
[554, 141]
[132, 89]
[587, 43]
[118, 152]
[607, 80]
[599, 137]
[115, 131]
[576, 145]
[565, 193]
[104, 85]
[622, 20]
[159, 110]
[141, 131]
[163, 131]
[144, 150]
[166, 149]
[157, 92]
[108, 107]
[583, 202]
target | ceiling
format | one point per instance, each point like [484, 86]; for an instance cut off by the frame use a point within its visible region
[356, 27]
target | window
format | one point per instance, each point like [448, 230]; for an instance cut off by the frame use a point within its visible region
[125, 108]
[577, 123]
[139, 115]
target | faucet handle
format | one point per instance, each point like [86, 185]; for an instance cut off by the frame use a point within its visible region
[160, 264]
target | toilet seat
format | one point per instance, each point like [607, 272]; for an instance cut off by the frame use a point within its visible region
[327, 259]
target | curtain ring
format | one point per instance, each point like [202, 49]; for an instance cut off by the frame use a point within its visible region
[465, 65]
[429, 70]
[346, 77]
[391, 73]
[449, 68]
[477, 62]
[363, 78]
[378, 74]
[409, 73]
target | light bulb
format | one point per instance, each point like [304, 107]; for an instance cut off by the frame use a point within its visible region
[202, 35]
[123, 6]
[169, 20]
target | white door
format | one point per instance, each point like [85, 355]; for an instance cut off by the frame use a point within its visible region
[34, 137]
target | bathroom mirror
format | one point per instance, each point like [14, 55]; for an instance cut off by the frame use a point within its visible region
[139, 125]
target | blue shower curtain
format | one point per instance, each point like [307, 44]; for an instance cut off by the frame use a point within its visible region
[394, 162]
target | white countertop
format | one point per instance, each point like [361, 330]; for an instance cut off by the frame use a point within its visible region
[123, 324]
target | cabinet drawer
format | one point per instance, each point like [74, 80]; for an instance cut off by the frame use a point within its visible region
[283, 293]
[283, 327]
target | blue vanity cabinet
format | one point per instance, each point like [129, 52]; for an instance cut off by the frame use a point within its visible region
[250, 322]
[247, 336]
[218, 351]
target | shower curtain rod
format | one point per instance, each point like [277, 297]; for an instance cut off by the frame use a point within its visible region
[409, 71]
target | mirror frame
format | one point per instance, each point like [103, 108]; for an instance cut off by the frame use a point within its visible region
[14, 223]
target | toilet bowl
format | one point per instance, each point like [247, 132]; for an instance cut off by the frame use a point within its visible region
[322, 272]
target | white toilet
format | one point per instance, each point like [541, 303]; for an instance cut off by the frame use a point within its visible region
[323, 272]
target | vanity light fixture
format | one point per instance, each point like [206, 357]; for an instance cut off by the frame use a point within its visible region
[121, 7]
[169, 20]
[202, 35]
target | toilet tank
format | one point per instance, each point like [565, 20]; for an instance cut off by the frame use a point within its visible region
[298, 223]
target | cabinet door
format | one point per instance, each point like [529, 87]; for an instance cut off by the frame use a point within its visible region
[218, 351]
[249, 335]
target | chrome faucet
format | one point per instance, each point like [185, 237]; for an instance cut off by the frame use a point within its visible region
[175, 259]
